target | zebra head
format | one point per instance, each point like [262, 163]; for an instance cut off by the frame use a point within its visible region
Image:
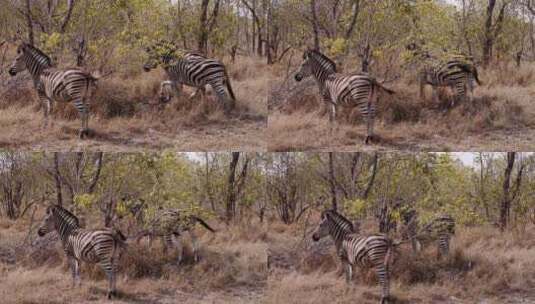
[57, 218]
[48, 223]
[29, 57]
[316, 64]
[334, 224]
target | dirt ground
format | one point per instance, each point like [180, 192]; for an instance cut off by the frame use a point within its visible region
[314, 135]
[239, 132]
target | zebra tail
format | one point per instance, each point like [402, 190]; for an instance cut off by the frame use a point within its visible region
[203, 223]
[229, 86]
[388, 256]
[119, 237]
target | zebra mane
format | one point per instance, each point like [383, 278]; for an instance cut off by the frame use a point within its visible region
[319, 57]
[339, 219]
[37, 54]
[65, 215]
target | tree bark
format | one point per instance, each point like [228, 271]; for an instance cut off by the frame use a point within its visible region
[57, 177]
[492, 30]
[231, 193]
[315, 26]
[29, 22]
[332, 182]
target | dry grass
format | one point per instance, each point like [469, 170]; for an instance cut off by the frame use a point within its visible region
[232, 270]
[484, 267]
[126, 115]
[502, 114]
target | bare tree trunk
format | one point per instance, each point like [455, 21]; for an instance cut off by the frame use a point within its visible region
[332, 182]
[231, 193]
[29, 22]
[508, 196]
[57, 178]
[315, 26]
[203, 31]
[372, 178]
[70, 7]
[492, 30]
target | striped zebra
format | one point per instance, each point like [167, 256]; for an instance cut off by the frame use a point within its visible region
[170, 225]
[100, 246]
[62, 85]
[458, 72]
[365, 251]
[195, 70]
[354, 90]
[440, 230]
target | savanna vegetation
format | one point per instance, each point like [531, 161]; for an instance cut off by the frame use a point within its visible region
[264, 208]
[489, 195]
[373, 36]
[261, 42]
[124, 191]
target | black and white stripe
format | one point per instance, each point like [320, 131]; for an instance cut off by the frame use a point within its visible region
[100, 246]
[355, 90]
[353, 249]
[195, 70]
[458, 72]
[440, 230]
[170, 225]
[63, 85]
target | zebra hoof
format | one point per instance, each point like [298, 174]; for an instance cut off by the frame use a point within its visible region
[369, 139]
[385, 300]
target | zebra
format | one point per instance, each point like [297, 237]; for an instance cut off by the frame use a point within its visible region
[373, 250]
[356, 90]
[455, 71]
[195, 70]
[440, 229]
[55, 84]
[169, 225]
[100, 246]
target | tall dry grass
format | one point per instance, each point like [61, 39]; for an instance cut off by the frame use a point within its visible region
[502, 106]
[485, 266]
[125, 110]
[232, 269]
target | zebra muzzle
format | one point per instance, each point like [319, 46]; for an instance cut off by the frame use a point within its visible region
[12, 72]
[298, 77]
[41, 233]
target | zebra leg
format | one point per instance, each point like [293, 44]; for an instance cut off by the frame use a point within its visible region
[48, 105]
[435, 95]
[370, 121]
[349, 272]
[332, 118]
[222, 96]
[194, 246]
[77, 270]
[166, 242]
[178, 246]
[82, 108]
[382, 275]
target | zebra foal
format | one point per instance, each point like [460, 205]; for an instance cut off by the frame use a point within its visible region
[440, 230]
[62, 85]
[354, 90]
[192, 69]
[365, 251]
[100, 246]
[458, 72]
[169, 225]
